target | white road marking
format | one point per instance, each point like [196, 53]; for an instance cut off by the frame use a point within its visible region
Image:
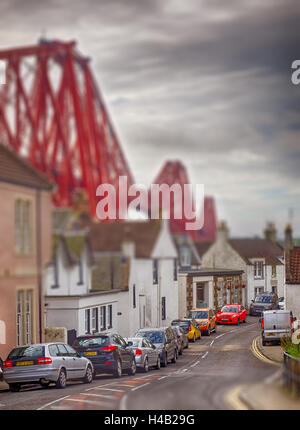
[93, 402]
[1, 405]
[211, 343]
[51, 403]
[162, 377]
[140, 386]
[111, 389]
[195, 364]
[205, 354]
[184, 370]
[123, 403]
[104, 396]
[99, 386]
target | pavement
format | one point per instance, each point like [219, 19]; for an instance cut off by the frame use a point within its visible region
[270, 394]
[3, 386]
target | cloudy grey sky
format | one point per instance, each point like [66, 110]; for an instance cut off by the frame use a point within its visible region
[204, 81]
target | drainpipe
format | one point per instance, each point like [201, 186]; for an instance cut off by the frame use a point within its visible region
[39, 261]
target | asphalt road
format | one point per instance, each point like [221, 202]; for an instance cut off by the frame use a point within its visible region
[199, 380]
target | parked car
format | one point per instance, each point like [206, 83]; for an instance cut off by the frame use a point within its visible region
[281, 303]
[275, 324]
[181, 337]
[164, 340]
[263, 302]
[146, 354]
[45, 363]
[109, 353]
[232, 314]
[1, 369]
[206, 319]
[190, 327]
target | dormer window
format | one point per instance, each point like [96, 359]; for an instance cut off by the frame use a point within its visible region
[185, 256]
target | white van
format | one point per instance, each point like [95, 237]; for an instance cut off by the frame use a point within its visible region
[276, 324]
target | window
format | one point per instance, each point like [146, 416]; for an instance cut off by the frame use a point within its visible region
[163, 308]
[80, 273]
[62, 350]
[23, 227]
[53, 351]
[185, 256]
[24, 317]
[155, 272]
[20, 318]
[28, 317]
[273, 271]
[175, 269]
[87, 320]
[274, 290]
[109, 309]
[258, 290]
[134, 296]
[71, 351]
[94, 320]
[103, 318]
[258, 269]
[56, 271]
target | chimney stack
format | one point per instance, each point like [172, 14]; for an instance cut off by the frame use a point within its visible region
[288, 246]
[222, 232]
[270, 232]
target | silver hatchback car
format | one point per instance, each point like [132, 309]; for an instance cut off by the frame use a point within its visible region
[45, 363]
[146, 354]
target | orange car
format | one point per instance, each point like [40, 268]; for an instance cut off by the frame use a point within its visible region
[206, 319]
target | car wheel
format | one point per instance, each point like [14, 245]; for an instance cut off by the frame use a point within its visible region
[158, 363]
[238, 322]
[181, 350]
[88, 378]
[187, 344]
[132, 369]
[62, 379]
[174, 359]
[14, 388]
[146, 365]
[208, 332]
[215, 328]
[165, 361]
[118, 370]
[264, 342]
[244, 320]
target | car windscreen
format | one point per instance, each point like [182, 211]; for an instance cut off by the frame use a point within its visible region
[154, 336]
[199, 314]
[263, 299]
[229, 309]
[91, 341]
[27, 351]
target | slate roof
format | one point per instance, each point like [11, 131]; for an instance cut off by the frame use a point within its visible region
[294, 266]
[108, 236]
[258, 248]
[202, 247]
[16, 170]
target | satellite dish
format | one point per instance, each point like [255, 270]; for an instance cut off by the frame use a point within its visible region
[296, 337]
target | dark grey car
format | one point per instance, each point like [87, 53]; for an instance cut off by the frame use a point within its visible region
[164, 340]
[263, 302]
[181, 337]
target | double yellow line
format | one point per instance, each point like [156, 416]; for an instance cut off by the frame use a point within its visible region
[255, 350]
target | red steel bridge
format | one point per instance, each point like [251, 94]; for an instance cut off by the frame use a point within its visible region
[52, 112]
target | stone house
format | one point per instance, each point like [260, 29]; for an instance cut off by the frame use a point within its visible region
[25, 247]
[260, 259]
[292, 282]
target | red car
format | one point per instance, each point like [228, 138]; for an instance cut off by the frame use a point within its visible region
[231, 314]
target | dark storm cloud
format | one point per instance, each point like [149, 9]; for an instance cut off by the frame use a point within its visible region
[205, 81]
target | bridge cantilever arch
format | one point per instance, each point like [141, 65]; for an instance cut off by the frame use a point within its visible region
[53, 113]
